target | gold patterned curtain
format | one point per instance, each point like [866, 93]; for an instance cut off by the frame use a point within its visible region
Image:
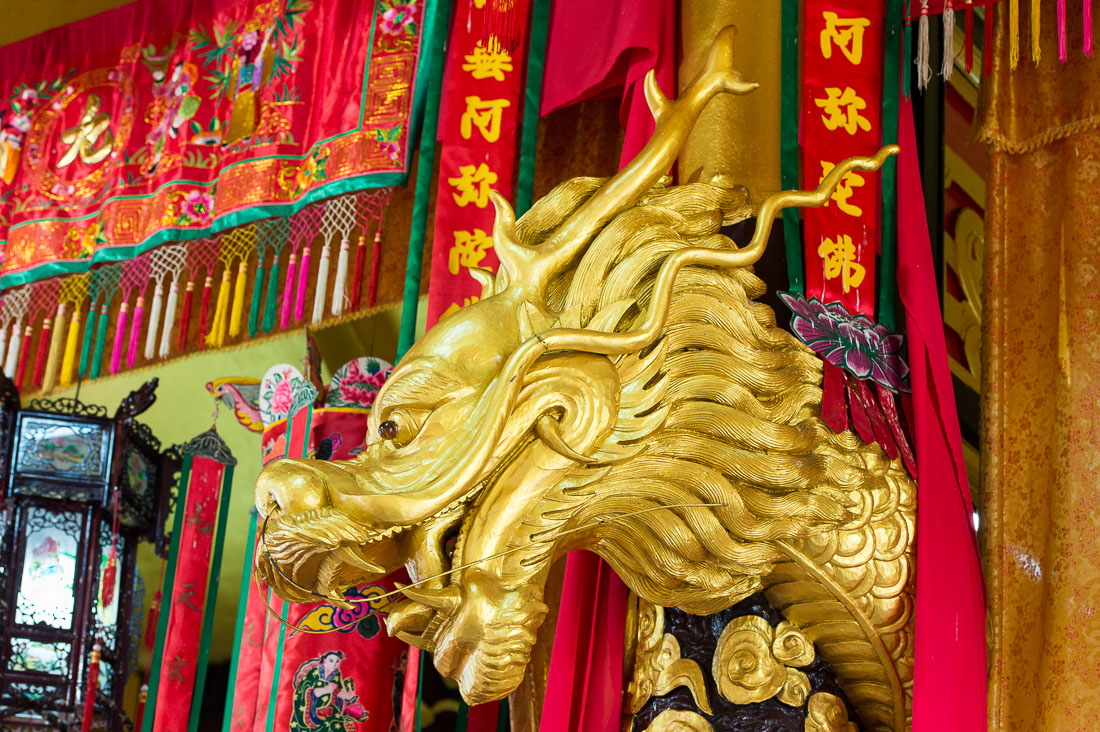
[1040, 531]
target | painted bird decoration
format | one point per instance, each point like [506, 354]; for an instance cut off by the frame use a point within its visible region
[242, 395]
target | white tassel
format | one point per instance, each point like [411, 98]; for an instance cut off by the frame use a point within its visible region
[948, 65]
[339, 288]
[322, 285]
[12, 361]
[169, 317]
[924, 66]
[154, 322]
[3, 344]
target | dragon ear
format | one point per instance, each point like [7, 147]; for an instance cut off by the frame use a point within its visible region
[514, 257]
[484, 278]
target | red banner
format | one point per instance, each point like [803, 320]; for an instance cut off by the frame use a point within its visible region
[249, 657]
[170, 121]
[185, 619]
[841, 117]
[479, 119]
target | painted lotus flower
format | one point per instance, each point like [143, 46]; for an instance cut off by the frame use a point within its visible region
[197, 206]
[397, 18]
[282, 397]
[852, 342]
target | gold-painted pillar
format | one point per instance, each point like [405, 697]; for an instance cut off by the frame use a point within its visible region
[736, 137]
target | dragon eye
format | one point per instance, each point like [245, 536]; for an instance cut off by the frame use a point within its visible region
[388, 430]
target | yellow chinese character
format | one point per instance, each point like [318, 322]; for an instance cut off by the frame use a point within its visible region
[846, 33]
[485, 115]
[839, 262]
[488, 61]
[468, 249]
[841, 110]
[844, 190]
[473, 185]
[455, 307]
[84, 137]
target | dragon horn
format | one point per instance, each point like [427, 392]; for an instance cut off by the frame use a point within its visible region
[674, 122]
[446, 599]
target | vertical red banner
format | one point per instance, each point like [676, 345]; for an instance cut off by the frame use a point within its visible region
[249, 658]
[185, 619]
[841, 116]
[479, 120]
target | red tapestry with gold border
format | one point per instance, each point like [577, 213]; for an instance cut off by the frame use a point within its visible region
[162, 122]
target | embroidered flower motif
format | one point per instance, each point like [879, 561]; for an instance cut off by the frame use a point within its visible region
[852, 342]
[356, 384]
[282, 396]
[397, 18]
[197, 206]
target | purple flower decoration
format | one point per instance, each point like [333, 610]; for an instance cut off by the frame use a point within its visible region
[852, 342]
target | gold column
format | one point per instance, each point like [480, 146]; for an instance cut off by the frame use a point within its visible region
[736, 137]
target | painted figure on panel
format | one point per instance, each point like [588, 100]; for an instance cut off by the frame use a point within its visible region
[251, 70]
[324, 701]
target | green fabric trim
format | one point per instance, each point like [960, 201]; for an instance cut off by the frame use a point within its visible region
[440, 21]
[420, 686]
[503, 722]
[788, 145]
[211, 600]
[166, 600]
[242, 612]
[906, 57]
[887, 272]
[532, 102]
[463, 716]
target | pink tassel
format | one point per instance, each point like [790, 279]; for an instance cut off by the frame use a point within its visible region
[375, 269]
[303, 278]
[43, 349]
[1088, 27]
[288, 290]
[1062, 30]
[135, 332]
[120, 335]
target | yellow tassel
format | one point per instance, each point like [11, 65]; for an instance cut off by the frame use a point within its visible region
[216, 337]
[1036, 52]
[53, 356]
[68, 361]
[238, 301]
[1013, 33]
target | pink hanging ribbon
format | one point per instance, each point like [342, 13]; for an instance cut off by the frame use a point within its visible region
[1062, 30]
[288, 290]
[1087, 10]
[303, 280]
[120, 336]
[135, 332]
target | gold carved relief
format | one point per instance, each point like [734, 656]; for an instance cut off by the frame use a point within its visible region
[678, 720]
[658, 667]
[827, 713]
[752, 662]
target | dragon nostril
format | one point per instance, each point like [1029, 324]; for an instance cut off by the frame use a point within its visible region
[388, 430]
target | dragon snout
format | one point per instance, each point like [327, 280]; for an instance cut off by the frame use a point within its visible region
[292, 486]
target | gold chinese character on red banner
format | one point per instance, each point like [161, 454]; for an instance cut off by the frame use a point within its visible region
[844, 192]
[473, 185]
[839, 259]
[488, 60]
[846, 34]
[469, 249]
[485, 115]
[85, 139]
[840, 110]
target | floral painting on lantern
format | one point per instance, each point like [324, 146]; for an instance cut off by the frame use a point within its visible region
[356, 383]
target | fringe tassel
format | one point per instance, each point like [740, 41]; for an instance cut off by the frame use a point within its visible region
[68, 361]
[21, 369]
[216, 337]
[1087, 11]
[120, 336]
[185, 316]
[204, 310]
[947, 65]
[257, 300]
[43, 350]
[238, 301]
[924, 65]
[135, 332]
[1036, 50]
[12, 359]
[288, 291]
[154, 322]
[57, 343]
[271, 303]
[987, 45]
[90, 689]
[968, 36]
[340, 286]
[303, 277]
[86, 343]
[169, 316]
[3, 345]
[1062, 31]
[357, 278]
[1013, 34]
[322, 285]
[100, 341]
[375, 268]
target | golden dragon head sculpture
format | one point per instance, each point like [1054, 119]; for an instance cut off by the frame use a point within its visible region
[616, 389]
